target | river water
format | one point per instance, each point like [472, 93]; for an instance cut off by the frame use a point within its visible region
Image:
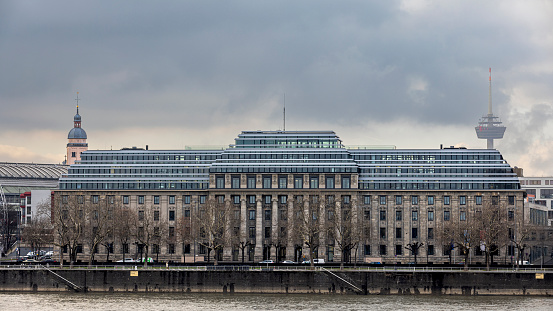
[159, 302]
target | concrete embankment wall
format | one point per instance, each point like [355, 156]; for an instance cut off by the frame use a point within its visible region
[320, 282]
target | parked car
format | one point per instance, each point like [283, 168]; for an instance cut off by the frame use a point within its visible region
[48, 260]
[30, 262]
[289, 262]
[267, 261]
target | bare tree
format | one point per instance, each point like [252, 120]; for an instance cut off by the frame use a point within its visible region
[39, 231]
[99, 223]
[124, 226]
[212, 226]
[184, 231]
[346, 230]
[463, 235]
[414, 248]
[69, 219]
[306, 227]
[493, 229]
[149, 230]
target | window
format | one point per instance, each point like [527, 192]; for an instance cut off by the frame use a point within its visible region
[430, 200]
[367, 199]
[186, 213]
[383, 250]
[220, 199]
[251, 199]
[282, 182]
[156, 199]
[267, 214]
[235, 182]
[330, 214]
[398, 200]
[367, 215]
[80, 199]
[186, 199]
[140, 215]
[495, 200]
[446, 200]
[399, 215]
[430, 249]
[125, 248]
[399, 250]
[346, 199]
[430, 233]
[171, 215]
[186, 249]
[313, 182]
[125, 199]
[298, 182]
[282, 199]
[251, 182]
[267, 182]
[414, 233]
[171, 248]
[267, 232]
[382, 199]
[462, 200]
[414, 199]
[398, 233]
[95, 199]
[511, 215]
[73, 155]
[414, 215]
[430, 215]
[478, 200]
[220, 182]
[346, 182]
[382, 215]
[382, 233]
[202, 199]
[156, 215]
[267, 199]
[252, 232]
[171, 231]
[64, 199]
[462, 215]
[171, 199]
[329, 182]
[251, 214]
[140, 199]
[235, 199]
[446, 215]
[367, 250]
[511, 200]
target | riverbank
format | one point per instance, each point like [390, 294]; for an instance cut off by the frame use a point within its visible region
[234, 279]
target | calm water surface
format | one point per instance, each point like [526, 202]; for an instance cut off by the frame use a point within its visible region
[158, 302]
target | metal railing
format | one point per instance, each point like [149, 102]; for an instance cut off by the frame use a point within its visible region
[268, 268]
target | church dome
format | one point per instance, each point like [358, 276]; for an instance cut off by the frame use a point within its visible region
[77, 118]
[77, 133]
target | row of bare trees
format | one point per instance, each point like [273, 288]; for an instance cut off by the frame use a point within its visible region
[308, 223]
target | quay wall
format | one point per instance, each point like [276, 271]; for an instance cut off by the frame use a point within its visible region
[277, 281]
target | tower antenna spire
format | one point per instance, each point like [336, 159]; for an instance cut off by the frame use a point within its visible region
[490, 95]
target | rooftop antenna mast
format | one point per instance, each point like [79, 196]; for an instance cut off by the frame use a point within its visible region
[284, 129]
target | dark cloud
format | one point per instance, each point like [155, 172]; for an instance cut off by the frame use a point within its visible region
[194, 63]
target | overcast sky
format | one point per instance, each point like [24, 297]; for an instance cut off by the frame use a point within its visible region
[170, 74]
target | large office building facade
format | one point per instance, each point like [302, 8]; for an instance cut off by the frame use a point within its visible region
[272, 181]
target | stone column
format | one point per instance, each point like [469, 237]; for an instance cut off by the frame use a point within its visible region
[227, 250]
[355, 226]
[337, 224]
[274, 225]
[258, 229]
[322, 230]
[243, 219]
[290, 229]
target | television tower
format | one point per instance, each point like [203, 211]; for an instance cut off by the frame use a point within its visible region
[490, 127]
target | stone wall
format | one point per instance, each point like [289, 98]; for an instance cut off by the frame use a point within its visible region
[286, 282]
